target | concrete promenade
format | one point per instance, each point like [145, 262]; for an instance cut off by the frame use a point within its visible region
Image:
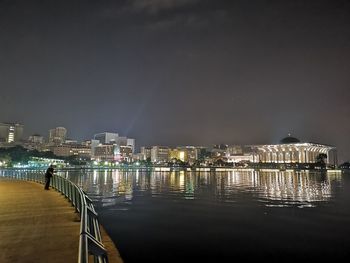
[39, 226]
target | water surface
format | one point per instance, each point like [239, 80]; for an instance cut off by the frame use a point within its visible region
[222, 216]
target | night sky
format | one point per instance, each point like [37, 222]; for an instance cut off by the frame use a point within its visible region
[179, 72]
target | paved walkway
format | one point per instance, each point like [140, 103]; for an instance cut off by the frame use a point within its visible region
[36, 225]
[40, 226]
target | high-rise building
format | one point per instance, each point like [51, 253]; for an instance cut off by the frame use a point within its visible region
[11, 132]
[131, 142]
[106, 137]
[57, 135]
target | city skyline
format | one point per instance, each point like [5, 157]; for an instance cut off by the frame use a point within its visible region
[113, 147]
[179, 72]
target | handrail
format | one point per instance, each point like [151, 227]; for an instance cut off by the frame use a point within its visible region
[90, 242]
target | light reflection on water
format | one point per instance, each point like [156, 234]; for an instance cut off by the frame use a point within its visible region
[271, 188]
[218, 217]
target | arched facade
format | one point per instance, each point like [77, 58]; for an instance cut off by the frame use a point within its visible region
[290, 153]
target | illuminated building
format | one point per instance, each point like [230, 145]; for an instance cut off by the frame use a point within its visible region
[291, 150]
[125, 153]
[131, 142]
[238, 158]
[145, 153]
[113, 138]
[184, 154]
[178, 155]
[80, 150]
[57, 135]
[113, 152]
[104, 152]
[191, 152]
[159, 154]
[11, 132]
[39, 162]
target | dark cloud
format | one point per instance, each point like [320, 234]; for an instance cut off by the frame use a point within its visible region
[153, 7]
[179, 72]
[158, 15]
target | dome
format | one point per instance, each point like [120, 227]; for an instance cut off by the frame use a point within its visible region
[289, 139]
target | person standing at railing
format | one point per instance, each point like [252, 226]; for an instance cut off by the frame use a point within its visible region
[48, 175]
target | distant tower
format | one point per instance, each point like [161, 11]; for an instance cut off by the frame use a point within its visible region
[11, 132]
[57, 135]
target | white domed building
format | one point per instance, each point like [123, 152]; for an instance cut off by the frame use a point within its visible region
[292, 150]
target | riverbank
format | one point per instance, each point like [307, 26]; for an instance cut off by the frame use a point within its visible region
[169, 169]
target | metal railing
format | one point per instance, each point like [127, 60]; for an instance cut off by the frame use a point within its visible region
[90, 242]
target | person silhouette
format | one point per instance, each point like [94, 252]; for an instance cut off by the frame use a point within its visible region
[48, 175]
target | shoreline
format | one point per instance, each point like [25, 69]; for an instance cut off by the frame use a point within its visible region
[170, 169]
[110, 246]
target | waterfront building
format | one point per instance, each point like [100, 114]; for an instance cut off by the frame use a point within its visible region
[235, 154]
[40, 162]
[11, 132]
[113, 152]
[191, 152]
[159, 154]
[125, 154]
[65, 150]
[292, 150]
[145, 153]
[80, 150]
[186, 154]
[113, 138]
[57, 135]
[177, 154]
[104, 152]
[240, 158]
